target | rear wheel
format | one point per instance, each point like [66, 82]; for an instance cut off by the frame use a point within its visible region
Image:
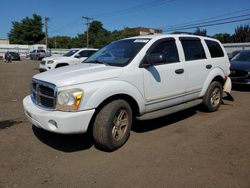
[112, 125]
[213, 96]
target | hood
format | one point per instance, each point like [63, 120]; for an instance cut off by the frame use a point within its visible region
[81, 73]
[240, 65]
[56, 58]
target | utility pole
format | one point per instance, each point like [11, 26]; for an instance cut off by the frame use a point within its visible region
[88, 19]
[46, 19]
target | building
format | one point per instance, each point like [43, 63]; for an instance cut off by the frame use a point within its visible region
[147, 31]
[4, 41]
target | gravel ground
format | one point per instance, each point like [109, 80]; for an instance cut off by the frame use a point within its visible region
[187, 149]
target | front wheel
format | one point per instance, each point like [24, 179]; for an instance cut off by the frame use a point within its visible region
[213, 97]
[112, 125]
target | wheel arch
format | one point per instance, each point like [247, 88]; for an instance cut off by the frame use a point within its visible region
[216, 74]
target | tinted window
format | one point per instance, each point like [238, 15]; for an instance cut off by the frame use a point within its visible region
[70, 53]
[169, 49]
[86, 53]
[83, 53]
[193, 49]
[242, 56]
[214, 48]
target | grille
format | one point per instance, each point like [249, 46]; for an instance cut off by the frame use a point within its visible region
[43, 62]
[43, 94]
[239, 74]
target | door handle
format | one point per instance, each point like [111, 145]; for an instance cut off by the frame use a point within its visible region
[179, 71]
[209, 66]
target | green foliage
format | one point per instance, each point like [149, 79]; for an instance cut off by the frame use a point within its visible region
[28, 31]
[242, 33]
[200, 32]
[223, 37]
[98, 36]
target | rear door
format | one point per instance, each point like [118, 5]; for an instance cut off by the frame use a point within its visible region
[196, 66]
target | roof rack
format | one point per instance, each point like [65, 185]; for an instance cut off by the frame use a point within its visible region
[181, 32]
[189, 33]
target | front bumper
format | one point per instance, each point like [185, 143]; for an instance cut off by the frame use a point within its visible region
[57, 121]
[240, 81]
[43, 68]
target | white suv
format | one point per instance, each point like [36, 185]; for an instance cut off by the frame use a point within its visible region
[72, 57]
[141, 77]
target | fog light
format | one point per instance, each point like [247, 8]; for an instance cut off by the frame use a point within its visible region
[52, 125]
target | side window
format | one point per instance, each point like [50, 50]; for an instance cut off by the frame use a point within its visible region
[193, 49]
[90, 52]
[83, 53]
[168, 48]
[214, 48]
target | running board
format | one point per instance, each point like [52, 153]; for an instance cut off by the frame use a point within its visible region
[169, 110]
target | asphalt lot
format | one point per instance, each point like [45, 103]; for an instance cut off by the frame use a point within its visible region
[187, 149]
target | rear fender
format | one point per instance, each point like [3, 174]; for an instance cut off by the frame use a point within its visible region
[214, 73]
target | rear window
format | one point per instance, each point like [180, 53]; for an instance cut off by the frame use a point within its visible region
[193, 48]
[214, 48]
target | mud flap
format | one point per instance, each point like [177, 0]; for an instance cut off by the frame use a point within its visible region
[227, 89]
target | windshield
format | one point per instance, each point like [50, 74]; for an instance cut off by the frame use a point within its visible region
[118, 53]
[242, 56]
[70, 53]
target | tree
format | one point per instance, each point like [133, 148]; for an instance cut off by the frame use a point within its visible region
[98, 36]
[223, 37]
[242, 33]
[200, 32]
[126, 32]
[28, 31]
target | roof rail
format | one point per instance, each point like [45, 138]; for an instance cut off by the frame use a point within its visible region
[181, 32]
[189, 33]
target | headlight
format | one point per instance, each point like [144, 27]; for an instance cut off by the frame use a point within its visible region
[69, 100]
[50, 62]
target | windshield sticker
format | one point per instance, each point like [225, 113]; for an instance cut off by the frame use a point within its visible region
[141, 40]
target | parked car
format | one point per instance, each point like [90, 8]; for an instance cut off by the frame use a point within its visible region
[232, 54]
[12, 56]
[72, 57]
[240, 68]
[141, 77]
[37, 54]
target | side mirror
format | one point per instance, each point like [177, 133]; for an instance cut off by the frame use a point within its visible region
[77, 56]
[153, 59]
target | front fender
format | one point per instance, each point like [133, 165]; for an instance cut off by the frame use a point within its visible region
[215, 72]
[97, 92]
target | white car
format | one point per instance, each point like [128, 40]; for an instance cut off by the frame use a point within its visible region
[72, 57]
[141, 77]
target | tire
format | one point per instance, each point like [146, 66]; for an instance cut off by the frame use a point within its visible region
[108, 135]
[213, 97]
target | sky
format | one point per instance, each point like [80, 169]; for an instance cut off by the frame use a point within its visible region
[66, 16]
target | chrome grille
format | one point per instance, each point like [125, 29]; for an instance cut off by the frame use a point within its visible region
[239, 73]
[43, 94]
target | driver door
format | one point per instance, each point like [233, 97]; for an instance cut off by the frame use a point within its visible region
[164, 83]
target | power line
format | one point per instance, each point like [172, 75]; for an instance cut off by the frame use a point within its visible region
[207, 22]
[134, 8]
[213, 24]
[66, 25]
[214, 17]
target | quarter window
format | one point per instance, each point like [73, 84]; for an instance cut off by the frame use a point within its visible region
[214, 48]
[169, 49]
[193, 49]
